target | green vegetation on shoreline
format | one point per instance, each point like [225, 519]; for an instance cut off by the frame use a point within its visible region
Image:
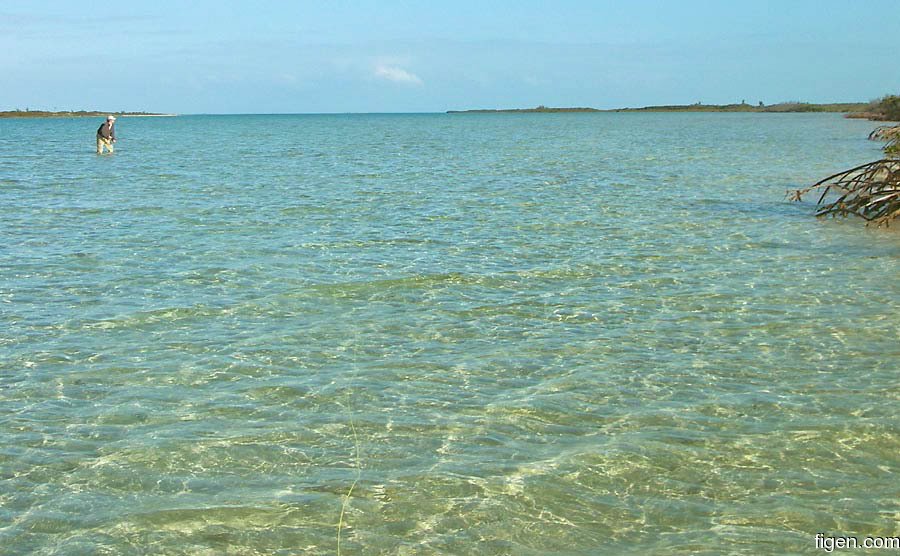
[514, 110]
[70, 114]
[845, 107]
[782, 107]
[886, 109]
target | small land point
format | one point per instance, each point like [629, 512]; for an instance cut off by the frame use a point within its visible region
[71, 114]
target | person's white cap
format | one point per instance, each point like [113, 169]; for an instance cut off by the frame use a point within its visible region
[113, 118]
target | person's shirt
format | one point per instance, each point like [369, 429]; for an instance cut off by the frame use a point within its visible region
[106, 131]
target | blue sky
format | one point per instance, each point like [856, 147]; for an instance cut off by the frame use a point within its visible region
[285, 56]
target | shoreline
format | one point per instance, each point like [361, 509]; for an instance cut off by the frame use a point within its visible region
[781, 108]
[79, 114]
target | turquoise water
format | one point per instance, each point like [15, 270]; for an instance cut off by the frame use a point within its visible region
[442, 334]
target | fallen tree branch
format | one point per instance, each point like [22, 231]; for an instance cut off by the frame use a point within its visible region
[870, 191]
[885, 133]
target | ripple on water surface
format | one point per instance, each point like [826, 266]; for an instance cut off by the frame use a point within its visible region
[507, 335]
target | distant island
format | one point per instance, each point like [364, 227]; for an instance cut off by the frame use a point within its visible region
[70, 114]
[538, 109]
[847, 107]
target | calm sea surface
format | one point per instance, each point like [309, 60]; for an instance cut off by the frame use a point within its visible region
[442, 334]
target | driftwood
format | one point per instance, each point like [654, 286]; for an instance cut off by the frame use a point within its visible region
[885, 133]
[891, 134]
[870, 191]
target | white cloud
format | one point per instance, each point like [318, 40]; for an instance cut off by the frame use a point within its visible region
[397, 74]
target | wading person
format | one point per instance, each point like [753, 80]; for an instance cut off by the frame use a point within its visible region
[106, 135]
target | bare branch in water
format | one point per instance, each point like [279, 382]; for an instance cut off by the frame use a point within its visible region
[885, 133]
[870, 191]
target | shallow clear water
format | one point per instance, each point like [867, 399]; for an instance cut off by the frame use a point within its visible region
[508, 334]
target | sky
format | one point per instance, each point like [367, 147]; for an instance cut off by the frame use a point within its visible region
[298, 56]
